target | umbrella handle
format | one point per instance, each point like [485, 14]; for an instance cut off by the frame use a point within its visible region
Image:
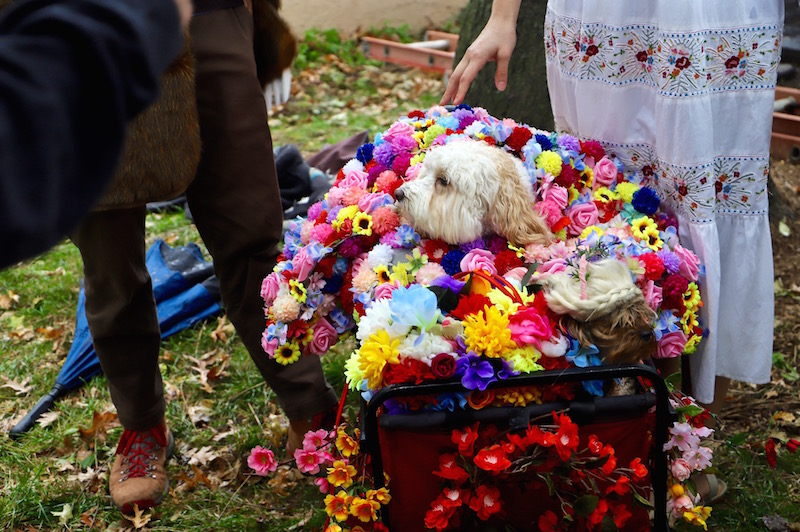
[44, 405]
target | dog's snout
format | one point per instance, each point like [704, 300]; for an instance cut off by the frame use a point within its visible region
[399, 195]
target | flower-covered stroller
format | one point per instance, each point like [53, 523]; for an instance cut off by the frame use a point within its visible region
[413, 449]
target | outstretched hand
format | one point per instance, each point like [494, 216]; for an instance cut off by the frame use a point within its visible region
[495, 43]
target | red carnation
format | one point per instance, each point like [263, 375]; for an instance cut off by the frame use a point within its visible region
[653, 266]
[416, 114]
[507, 260]
[593, 149]
[568, 176]
[408, 371]
[490, 141]
[672, 291]
[436, 249]
[470, 304]
[518, 138]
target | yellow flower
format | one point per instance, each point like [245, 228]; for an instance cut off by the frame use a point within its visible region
[346, 444]
[400, 274]
[689, 322]
[677, 491]
[587, 177]
[691, 298]
[383, 274]
[605, 194]
[297, 290]
[338, 506]
[418, 158]
[635, 266]
[524, 359]
[626, 191]
[640, 225]
[287, 353]
[353, 373]
[333, 527]
[573, 194]
[698, 516]
[691, 344]
[431, 134]
[362, 224]
[341, 474]
[504, 303]
[591, 229]
[487, 333]
[550, 162]
[365, 510]
[380, 495]
[653, 239]
[375, 353]
[519, 396]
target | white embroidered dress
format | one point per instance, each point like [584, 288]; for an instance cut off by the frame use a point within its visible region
[681, 91]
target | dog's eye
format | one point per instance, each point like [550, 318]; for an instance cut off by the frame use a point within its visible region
[442, 180]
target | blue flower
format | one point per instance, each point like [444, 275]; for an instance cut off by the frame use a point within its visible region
[333, 285]
[583, 356]
[450, 401]
[665, 324]
[316, 251]
[544, 141]
[477, 373]
[451, 262]
[506, 370]
[595, 388]
[340, 321]
[364, 153]
[277, 332]
[645, 200]
[407, 236]
[454, 285]
[340, 266]
[463, 106]
[415, 306]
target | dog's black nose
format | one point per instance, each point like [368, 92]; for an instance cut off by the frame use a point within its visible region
[399, 195]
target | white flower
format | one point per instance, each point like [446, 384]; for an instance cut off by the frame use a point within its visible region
[353, 164]
[425, 347]
[377, 318]
[380, 255]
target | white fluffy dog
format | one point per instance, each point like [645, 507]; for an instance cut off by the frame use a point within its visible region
[466, 189]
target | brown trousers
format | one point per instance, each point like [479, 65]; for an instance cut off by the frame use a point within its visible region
[236, 205]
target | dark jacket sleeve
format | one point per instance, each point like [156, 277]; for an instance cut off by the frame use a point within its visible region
[72, 75]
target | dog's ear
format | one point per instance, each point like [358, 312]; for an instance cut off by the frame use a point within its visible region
[513, 214]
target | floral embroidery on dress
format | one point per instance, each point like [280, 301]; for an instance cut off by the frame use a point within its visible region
[677, 64]
[724, 185]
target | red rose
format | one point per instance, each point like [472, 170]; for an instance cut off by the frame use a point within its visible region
[732, 62]
[592, 50]
[682, 63]
[443, 366]
[641, 56]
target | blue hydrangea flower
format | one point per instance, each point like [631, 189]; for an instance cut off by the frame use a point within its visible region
[583, 356]
[407, 236]
[645, 200]
[476, 372]
[340, 266]
[451, 262]
[340, 321]
[666, 323]
[277, 331]
[415, 306]
[449, 402]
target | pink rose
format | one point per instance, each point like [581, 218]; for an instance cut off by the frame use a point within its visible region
[384, 290]
[354, 178]
[478, 259]
[671, 345]
[269, 288]
[690, 263]
[413, 171]
[680, 505]
[653, 295]
[550, 211]
[516, 274]
[581, 216]
[555, 347]
[529, 327]
[324, 337]
[398, 129]
[262, 461]
[605, 173]
[681, 469]
[269, 346]
[558, 195]
[552, 266]
[302, 265]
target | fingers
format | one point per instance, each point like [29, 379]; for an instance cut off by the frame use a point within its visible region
[462, 77]
[501, 74]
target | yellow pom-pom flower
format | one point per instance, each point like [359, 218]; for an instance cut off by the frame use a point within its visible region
[550, 162]
[626, 191]
[487, 333]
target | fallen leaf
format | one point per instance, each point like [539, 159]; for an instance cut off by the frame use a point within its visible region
[100, 425]
[784, 417]
[51, 333]
[223, 331]
[200, 414]
[770, 394]
[20, 388]
[210, 367]
[89, 517]
[191, 482]
[47, 418]
[784, 229]
[203, 456]
[64, 515]
[139, 518]
[8, 299]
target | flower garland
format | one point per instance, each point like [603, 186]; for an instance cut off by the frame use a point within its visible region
[425, 310]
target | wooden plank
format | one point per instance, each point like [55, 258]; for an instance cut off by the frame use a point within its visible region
[785, 123]
[784, 146]
[434, 35]
[402, 54]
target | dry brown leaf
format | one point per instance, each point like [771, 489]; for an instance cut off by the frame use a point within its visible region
[89, 518]
[20, 388]
[770, 394]
[47, 418]
[197, 477]
[51, 333]
[783, 417]
[139, 518]
[100, 425]
[8, 299]
[203, 456]
[223, 331]
[200, 414]
[210, 366]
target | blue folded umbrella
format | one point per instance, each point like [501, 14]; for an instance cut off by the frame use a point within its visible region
[185, 290]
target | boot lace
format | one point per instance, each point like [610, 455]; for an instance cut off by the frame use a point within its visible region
[138, 449]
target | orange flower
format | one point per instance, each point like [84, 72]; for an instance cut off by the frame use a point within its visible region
[380, 495]
[346, 445]
[341, 474]
[478, 399]
[364, 509]
[337, 506]
[639, 469]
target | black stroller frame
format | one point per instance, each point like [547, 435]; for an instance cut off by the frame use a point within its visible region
[582, 411]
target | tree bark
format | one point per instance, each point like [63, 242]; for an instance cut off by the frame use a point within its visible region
[525, 99]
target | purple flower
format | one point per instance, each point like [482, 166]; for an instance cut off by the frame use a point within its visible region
[445, 281]
[383, 154]
[349, 248]
[569, 143]
[478, 373]
[478, 243]
[506, 370]
[496, 244]
[672, 263]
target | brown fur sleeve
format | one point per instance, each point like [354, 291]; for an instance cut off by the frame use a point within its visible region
[274, 44]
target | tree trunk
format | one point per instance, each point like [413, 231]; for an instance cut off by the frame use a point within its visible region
[525, 98]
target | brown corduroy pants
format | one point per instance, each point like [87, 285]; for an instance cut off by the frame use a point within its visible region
[236, 206]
